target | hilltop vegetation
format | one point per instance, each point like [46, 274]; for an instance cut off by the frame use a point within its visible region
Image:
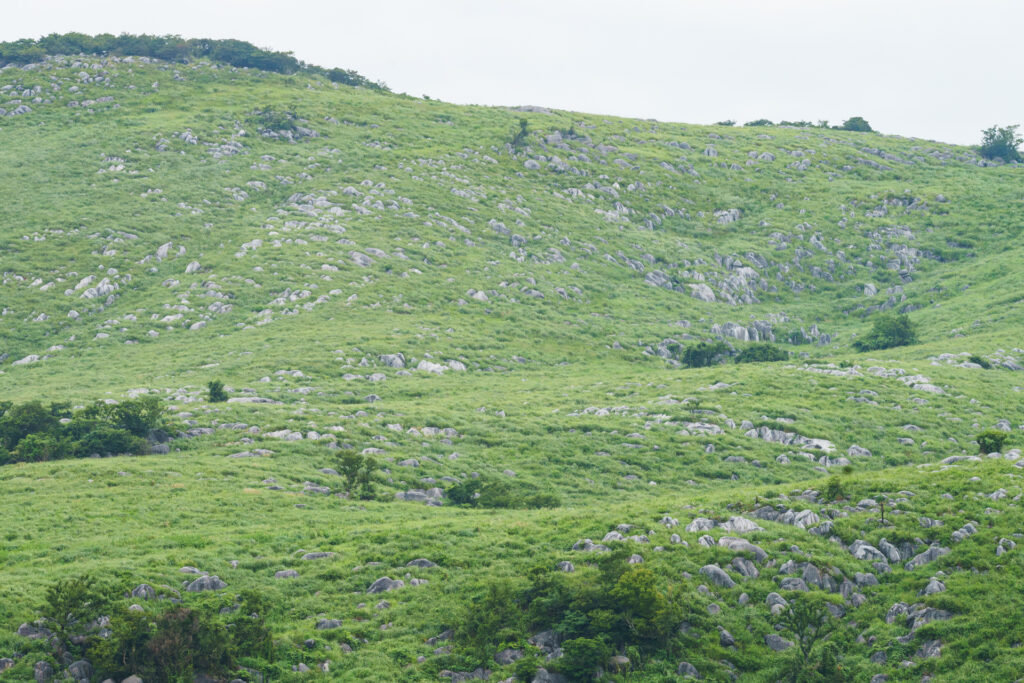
[478, 392]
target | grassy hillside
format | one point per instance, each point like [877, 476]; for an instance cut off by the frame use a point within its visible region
[462, 301]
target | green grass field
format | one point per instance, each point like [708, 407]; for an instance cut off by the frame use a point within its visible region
[164, 225]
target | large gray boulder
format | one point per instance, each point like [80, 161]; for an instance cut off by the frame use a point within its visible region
[717, 576]
[687, 670]
[80, 670]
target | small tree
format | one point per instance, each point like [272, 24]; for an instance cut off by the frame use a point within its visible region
[70, 605]
[858, 124]
[991, 440]
[519, 137]
[217, 393]
[1001, 143]
[809, 623]
[358, 472]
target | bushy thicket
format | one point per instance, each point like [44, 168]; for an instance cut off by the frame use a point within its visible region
[490, 493]
[33, 432]
[762, 353]
[888, 331]
[165, 641]
[173, 49]
[703, 354]
[1001, 143]
[622, 607]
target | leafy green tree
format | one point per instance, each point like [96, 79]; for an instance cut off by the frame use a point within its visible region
[808, 622]
[856, 123]
[888, 331]
[582, 657]
[1001, 143]
[647, 615]
[187, 641]
[490, 620]
[358, 471]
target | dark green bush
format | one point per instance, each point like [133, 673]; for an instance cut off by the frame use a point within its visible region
[490, 620]
[856, 123]
[464, 493]
[542, 500]
[216, 391]
[887, 332]
[759, 122]
[489, 493]
[107, 440]
[23, 419]
[991, 440]
[137, 416]
[41, 447]
[703, 354]
[762, 353]
[978, 360]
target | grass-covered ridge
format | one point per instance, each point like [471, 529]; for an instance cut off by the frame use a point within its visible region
[474, 307]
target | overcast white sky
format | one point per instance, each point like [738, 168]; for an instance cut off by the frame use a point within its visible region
[937, 69]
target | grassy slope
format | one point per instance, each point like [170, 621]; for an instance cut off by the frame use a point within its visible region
[450, 168]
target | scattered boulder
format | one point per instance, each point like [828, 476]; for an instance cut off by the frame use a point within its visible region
[421, 562]
[933, 553]
[384, 584]
[206, 583]
[777, 643]
[317, 556]
[328, 624]
[687, 670]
